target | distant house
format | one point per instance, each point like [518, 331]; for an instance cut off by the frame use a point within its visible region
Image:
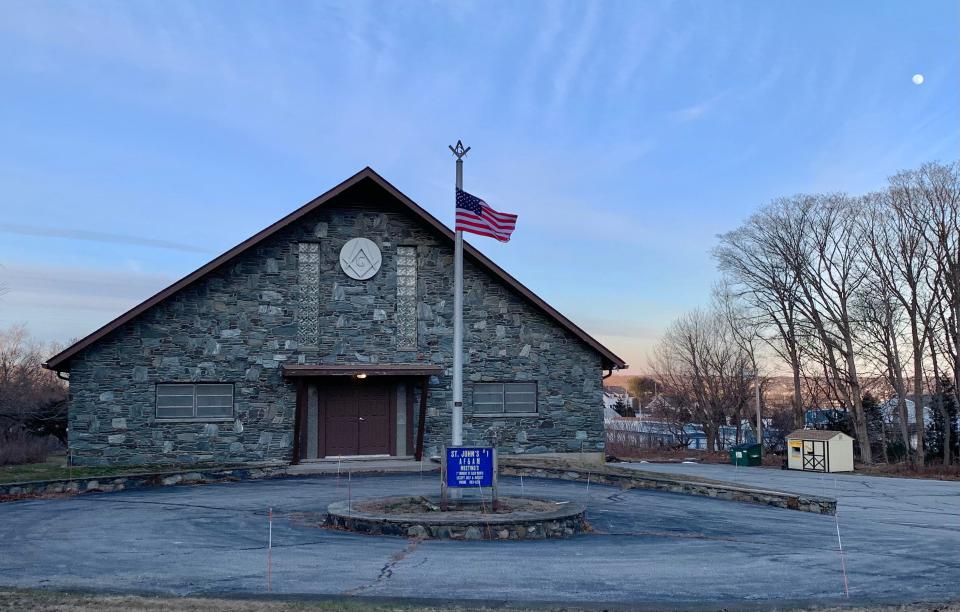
[822, 417]
[640, 433]
[609, 413]
[612, 396]
[658, 404]
[697, 438]
[891, 409]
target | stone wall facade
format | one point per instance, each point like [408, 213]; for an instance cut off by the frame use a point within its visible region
[240, 324]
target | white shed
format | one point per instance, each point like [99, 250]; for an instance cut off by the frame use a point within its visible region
[817, 450]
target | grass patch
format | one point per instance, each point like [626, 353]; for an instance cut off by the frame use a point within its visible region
[56, 468]
[49, 601]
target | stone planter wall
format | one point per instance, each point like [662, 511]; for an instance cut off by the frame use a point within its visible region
[100, 484]
[563, 523]
[645, 480]
[603, 475]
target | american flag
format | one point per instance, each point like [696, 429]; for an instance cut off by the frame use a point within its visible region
[476, 217]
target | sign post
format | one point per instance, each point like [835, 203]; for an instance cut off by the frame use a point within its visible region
[468, 467]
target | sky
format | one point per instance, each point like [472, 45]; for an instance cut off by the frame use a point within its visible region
[138, 140]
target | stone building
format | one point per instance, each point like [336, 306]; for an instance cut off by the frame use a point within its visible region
[329, 333]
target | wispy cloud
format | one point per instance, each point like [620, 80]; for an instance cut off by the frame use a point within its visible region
[570, 70]
[698, 110]
[87, 288]
[63, 302]
[101, 237]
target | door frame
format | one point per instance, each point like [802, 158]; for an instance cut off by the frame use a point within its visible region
[301, 408]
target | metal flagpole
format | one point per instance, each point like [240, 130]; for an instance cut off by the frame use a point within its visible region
[457, 425]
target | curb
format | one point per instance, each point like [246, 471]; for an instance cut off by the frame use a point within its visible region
[646, 480]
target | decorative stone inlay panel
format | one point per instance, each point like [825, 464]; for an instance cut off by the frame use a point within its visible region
[308, 277]
[406, 298]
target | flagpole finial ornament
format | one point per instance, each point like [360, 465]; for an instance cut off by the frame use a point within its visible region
[459, 150]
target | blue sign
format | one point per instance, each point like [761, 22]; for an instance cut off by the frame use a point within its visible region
[469, 467]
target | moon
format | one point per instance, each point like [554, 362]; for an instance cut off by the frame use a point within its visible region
[917, 79]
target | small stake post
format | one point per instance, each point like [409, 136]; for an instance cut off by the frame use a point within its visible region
[269, 548]
[338, 472]
[843, 563]
[521, 486]
[349, 491]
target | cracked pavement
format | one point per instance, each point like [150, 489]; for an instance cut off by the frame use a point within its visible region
[901, 540]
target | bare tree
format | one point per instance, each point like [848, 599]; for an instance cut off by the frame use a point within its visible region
[29, 394]
[745, 331]
[899, 263]
[753, 259]
[881, 326]
[823, 255]
[701, 366]
[929, 200]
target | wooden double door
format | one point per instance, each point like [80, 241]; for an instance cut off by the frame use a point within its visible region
[815, 456]
[347, 417]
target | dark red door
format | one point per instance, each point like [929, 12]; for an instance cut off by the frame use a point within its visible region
[356, 418]
[340, 421]
[373, 428]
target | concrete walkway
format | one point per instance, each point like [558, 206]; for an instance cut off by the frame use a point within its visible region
[363, 466]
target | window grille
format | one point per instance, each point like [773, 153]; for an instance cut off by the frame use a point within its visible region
[505, 398]
[195, 401]
[308, 278]
[407, 298]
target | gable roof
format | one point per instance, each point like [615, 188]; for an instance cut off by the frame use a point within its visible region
[814, 434]
[60, 361]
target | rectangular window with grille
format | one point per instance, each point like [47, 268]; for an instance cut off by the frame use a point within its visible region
[407, 298]
[308, 310]
[505, 398]
[177, 401]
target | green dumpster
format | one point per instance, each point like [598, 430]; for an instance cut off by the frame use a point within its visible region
[745, 454]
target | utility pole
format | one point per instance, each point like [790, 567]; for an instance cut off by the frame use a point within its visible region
[755, 374]
[756, 386]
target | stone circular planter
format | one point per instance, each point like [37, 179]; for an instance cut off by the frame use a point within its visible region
[520, 519]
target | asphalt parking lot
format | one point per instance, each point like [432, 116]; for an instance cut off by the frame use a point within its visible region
[901, 541]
